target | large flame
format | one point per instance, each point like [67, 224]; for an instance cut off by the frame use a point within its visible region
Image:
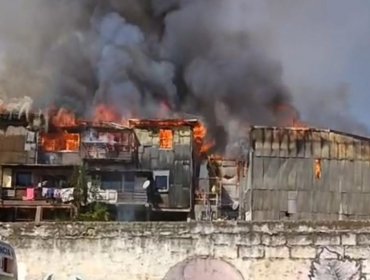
[166, 139]
[57, 142]
[104, 113]
[64, 118]
[200, 137]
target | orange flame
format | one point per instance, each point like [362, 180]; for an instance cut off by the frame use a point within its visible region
[60, 142]
[64, 118]
[166, 139]
[317, 169]
[104, 113]
[200, 134]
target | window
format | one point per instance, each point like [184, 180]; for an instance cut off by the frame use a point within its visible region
[161, 179]
[23, 179]
[129, 183]
[112, 181]
[166, 139]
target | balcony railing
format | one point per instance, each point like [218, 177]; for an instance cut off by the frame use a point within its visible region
[98, 150]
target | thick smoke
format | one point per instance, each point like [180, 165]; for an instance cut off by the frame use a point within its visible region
[230, 63]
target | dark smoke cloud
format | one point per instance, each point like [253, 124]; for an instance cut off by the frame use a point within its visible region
[226, 62]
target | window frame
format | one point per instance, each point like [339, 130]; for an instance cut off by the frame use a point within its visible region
[161, 173]
[16, 181]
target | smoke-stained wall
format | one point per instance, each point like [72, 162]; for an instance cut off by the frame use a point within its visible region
[307, 174]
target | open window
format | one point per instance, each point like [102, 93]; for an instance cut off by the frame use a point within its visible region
[166, 139]
[162, 180]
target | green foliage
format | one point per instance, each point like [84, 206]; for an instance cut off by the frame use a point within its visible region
[95, 212]
[85, 196]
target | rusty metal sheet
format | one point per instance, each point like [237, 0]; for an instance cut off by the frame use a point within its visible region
[316, 145]
[300, 142]
[300, 168]
[325, 145]
[365, 151]
[348, 175]
[275, 144]
[365, 205]
[284, 144]
[285, 174]
[258, 197]
[357, 184]
[258, 173]
[357, 150]
[333, 149]
[292, 145]
[283, 200]
[182, 152]
[267, 143]
[320, 201]
[365, 176]
[308, 147]
[271, 170]
[304, 201]
[333, 176]
[306, 176]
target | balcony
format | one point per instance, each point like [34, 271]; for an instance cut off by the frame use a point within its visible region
[106, 151]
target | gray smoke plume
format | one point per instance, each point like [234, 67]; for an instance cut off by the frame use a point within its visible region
[230, 63]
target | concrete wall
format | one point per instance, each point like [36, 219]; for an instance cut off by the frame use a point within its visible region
[176, 251]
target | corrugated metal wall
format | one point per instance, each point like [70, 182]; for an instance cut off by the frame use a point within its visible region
[177, 160]
[284, 179]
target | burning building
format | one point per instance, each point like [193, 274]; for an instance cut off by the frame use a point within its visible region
[162, 168]
[143, 167]
[306, 173]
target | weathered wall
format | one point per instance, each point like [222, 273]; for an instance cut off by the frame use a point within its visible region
[169, 251]
[307, 174]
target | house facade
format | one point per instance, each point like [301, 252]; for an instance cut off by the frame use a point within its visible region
[145, 169]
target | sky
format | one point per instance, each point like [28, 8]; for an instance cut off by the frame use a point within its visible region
[326, 43]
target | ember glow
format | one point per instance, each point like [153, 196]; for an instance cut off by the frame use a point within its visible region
[166, 139]
[104, 113]
[200, 137]
[64, 118]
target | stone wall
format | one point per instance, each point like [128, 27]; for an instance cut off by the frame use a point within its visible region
[176, 251]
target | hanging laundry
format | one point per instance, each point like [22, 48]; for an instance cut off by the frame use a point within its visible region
[48, 192]
[56, 193]
[67, 194]
[30, 194]
[44, 192]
